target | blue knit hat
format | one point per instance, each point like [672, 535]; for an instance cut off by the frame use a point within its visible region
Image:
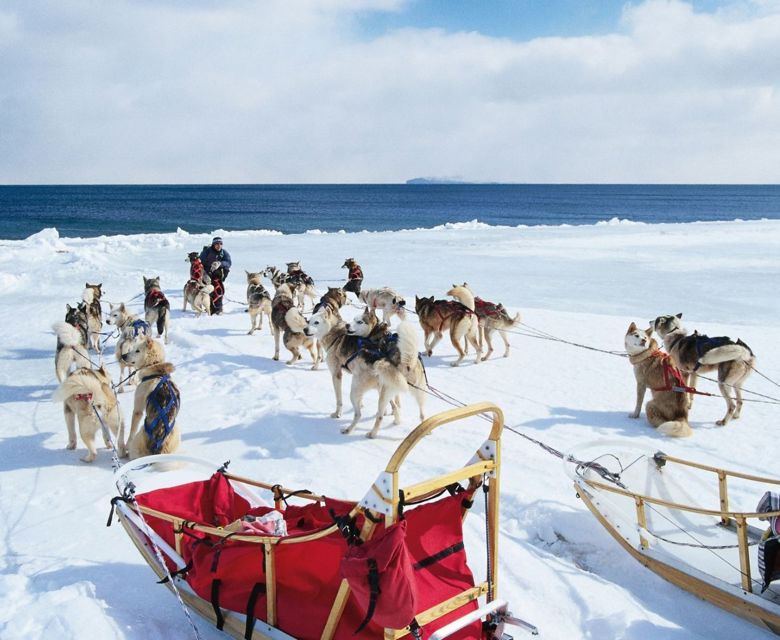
[216, 239]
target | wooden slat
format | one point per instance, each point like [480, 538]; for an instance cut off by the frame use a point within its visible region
[744, 558]
[308, 495]
[733, 474]
[422, 488]
[270, 584]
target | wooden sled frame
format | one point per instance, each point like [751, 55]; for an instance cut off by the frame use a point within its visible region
[740, 601]
[382, 501]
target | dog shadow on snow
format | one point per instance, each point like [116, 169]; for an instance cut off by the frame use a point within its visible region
[614, 422]
[284, 435]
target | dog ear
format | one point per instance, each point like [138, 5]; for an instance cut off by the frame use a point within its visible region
[649, 331]
[631, 327]
[679, 316]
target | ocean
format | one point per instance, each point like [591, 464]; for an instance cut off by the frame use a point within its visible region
[88, 211]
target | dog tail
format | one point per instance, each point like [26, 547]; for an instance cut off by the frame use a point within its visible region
[162, 315]
[676, 429]
[88, 295]
[407, 344]
[726, 353]
[516, 320]
[463, 295]
[295, 320]
[81, 381]
[67, 334]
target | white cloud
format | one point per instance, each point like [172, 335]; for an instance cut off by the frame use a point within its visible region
[291, 92]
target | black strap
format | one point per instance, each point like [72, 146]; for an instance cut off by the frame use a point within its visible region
[436, 557]
[415, 630]
[215, 603]
[114, 500]
[348, 528]
[373, 583]
[250, 609]
[178, 572]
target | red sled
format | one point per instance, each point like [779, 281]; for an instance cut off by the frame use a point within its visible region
[259, 560]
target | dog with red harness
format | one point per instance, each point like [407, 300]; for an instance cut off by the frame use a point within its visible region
[455, 316]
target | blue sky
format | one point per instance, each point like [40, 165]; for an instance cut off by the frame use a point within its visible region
[357, 91]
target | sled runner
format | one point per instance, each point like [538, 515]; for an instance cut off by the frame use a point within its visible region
[301, 565]
[676, 518]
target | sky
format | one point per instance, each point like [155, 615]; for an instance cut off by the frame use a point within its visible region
[360, 91]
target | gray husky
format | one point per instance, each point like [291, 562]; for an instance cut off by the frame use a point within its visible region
[258, 299]
[287, 324]
[156, 306]
[699, 353]
[71, 341]
[91, 297]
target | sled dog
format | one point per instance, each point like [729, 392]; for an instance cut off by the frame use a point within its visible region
[392, 364]
[699, 353]
[156, 306]
[91, 297]
[131, 328]
[82, 389]
[301, 285]
[354, 277]
[491, 317]
[71, 341]
[156, 400]
[258, 299]
[334, 298]
[288, 324]
[459, 318]
[390, 302]
[653, 369]
[197, 294]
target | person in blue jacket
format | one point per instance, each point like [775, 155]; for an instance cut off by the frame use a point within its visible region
[216, 263]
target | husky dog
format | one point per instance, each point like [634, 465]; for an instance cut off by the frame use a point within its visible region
[390, 302]
[392, 364]
[334, 299]
[157, 400]
[302, 285]
[197, 294]
[354, 277]
[492, 317]
[699, 353]
[131, 328]
[81, 390]
[288, 324]
[156, 306]
[457, 316]
[258, 299]
[668, 409]
[91, 297]
[71, 341]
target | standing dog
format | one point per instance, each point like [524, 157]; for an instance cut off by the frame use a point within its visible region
[157, 400]
[91, 297]
[71, 341]
[334, 298]
[668, 409]
[84, 391]
[390, 302]
[354, 277]
[699, 353]
[131, 328]
[258, 299]
[197, 293]
[288, 324]
[458, 317]
[156, 306]
[491, 317]
[391, 364]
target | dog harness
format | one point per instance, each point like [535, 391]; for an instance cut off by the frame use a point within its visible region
[196, 270]
[86, 397]
[154, 297]
[673, 375]
[164, 398]
[355, 272]
[368, 347]
[140, 327]
[452, 307]
[485, 309]
[218, 293]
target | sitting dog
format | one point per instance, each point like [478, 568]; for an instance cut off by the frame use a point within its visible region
[391, 364]
[91, 297]
[390, 302]
[258, 299]
[71, 341]
[156, 306]
[334, 298]
[131, 328]
[699, 353]
[82, 392]
[197, 270]
[354, 277]
[668, 409]
[197, 294]
[288, 324]
[157, 401]
[457, 316]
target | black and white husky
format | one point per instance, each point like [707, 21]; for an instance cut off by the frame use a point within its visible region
[91, 297]
[156, 306]
[71, 341]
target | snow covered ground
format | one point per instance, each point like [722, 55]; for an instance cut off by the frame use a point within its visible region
[63, 574]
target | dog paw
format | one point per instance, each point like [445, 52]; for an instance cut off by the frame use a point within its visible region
[455, 364]
[276, 358]
[721, 423]
[633, 415]
[90, 457]
[346, 430]
[71, 445]
[371, 434]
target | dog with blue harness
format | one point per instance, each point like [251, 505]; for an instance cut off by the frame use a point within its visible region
[698, 353]
[157, 401]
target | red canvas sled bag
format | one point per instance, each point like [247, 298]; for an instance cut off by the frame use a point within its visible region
[381, 577]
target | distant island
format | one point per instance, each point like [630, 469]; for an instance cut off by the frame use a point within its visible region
[437, 181]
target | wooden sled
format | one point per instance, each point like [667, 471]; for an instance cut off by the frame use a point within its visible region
[674, 516]
[293, 585]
